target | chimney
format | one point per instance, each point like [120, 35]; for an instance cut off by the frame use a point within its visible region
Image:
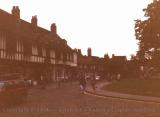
[16, 12]
[113, 55]
[106, 56]
[34, 20]
[53, 28]
[89, 52]
[79, 52]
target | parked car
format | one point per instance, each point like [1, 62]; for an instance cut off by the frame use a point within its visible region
[13, 91]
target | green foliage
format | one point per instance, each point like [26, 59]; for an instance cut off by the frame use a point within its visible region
[148, 31]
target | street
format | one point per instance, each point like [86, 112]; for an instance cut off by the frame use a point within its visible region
[67, 101]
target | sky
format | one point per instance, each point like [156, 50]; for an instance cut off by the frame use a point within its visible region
[107, 26]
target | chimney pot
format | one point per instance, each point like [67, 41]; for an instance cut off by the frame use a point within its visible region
[16, 12]
[89, 52]
[53, 28]
[34, 20]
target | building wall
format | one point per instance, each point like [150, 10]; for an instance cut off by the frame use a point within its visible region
[22, 53]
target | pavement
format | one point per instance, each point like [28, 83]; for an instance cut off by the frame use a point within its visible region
[38, 88]
[104, 93]
[68, 101]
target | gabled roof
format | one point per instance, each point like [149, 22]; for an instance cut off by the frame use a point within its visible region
[90, 60]
[26, 31]
[10, 23]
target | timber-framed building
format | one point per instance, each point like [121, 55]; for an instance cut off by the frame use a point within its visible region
[33, 51]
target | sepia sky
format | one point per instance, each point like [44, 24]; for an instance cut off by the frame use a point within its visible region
[107, 26]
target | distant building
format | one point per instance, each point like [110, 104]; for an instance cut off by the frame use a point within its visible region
[117, 64]
[90, 64]
[31, 50]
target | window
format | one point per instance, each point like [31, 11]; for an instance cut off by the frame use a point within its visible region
[27, 48]
[10, 45]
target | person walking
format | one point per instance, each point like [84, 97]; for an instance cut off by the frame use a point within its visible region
[93, 82]
[82, 82]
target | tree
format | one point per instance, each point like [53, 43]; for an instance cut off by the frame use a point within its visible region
[148, 32]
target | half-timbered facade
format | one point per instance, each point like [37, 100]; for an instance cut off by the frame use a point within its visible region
[31, 50]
